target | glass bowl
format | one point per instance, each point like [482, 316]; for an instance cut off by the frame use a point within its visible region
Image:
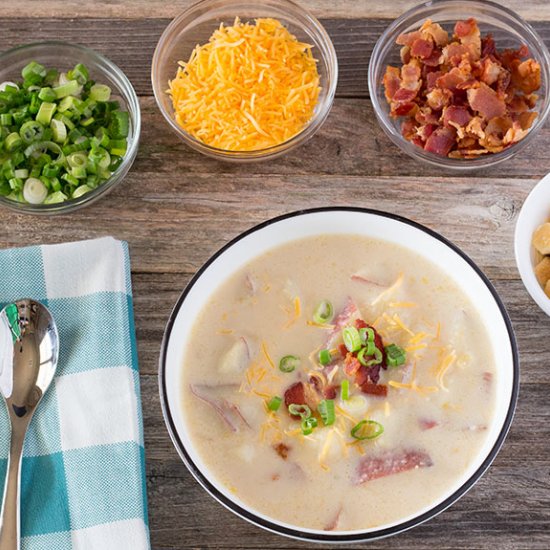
[64, 56]
[195, 26]
[509, 31]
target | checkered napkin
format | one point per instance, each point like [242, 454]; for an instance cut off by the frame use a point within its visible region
[83, 478]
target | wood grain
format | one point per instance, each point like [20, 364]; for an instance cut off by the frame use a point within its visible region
[130, 43]
[138, 9]
[177, 207]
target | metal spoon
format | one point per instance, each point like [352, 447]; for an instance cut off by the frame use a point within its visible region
[29, 348]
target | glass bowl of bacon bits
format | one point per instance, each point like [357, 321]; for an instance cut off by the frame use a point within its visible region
[460, 84]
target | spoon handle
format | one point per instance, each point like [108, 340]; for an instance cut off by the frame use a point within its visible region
[10, 538]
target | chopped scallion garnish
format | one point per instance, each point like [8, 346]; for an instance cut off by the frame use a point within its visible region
[274, 403]
[344, 388]
[308, 424]
[289, 363]
[366, 335]
[299, 410]
[395, 356]
[323, 313]
[326, 410]
[325, 357]
[352, 340]
[367, 429]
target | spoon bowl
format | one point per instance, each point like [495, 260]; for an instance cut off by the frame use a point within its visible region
[29, 349]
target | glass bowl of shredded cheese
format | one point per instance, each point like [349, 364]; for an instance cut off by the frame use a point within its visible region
[245, 81]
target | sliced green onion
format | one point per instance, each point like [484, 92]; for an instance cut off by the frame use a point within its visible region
[70, 88]
[47, 94]
[80, 73]
[289, 363]
[100, 92]
[275, 402]
[326, 410]
[325, 357]
[31, 131]
[22, 173]
[6, 119]
[308, 424]
[378, 356]
[7, 85]
[395, 356]
[367, 429]
[352, 341]
[344, 390]
[45, 113]
[369, 350]
[59, 131]
[120, 124]
[299, 410]
[33, 69]
[366, 334]
[13, 142]
[77, 159]
[34, 191]
[55, 198]
[323, 313]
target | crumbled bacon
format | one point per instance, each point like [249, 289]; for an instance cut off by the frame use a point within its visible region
[295, 394]
[389, 463]
[379, 390]
[282, 450]
[485, 101]
[441, 141]
[449, 89]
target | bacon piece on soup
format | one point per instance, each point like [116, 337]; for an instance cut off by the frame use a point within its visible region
[333, 524]
[390, 463]
[282, 450]
[295, 394]
[379, 390]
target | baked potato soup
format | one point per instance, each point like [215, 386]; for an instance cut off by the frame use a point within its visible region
[338, 383]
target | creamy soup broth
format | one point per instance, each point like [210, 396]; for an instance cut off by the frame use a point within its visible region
[436, 415]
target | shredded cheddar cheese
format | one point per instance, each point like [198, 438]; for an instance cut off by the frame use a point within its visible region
[252, 86]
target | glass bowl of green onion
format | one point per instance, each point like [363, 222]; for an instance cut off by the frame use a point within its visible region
[69, 127]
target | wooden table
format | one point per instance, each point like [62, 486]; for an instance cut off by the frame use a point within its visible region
[177, 207]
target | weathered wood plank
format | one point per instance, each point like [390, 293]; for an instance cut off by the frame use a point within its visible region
[535, 9]
[173, 223]
[353, 39]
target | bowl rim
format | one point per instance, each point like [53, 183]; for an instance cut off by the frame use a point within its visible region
[296, 533]
[523, 248]
[483, 161]
[120, 173]
[273, 151]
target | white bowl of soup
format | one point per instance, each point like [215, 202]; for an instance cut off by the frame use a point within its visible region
[338, 375]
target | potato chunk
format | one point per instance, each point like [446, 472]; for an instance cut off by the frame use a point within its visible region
[541, 238]
[542, 271]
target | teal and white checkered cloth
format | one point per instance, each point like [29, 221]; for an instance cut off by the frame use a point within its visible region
[83, 474]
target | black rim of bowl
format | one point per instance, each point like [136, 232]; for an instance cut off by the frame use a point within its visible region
[296, 533]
